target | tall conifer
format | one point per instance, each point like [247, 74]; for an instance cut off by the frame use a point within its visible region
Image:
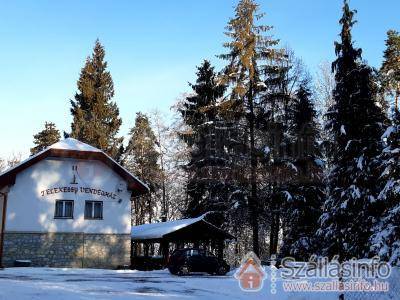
[390, 70]
[356, 126]
[206, 140]
[45, 138]
[385, 241]
[96, 118]
[302, 206]
[141, 158]
[249, 49]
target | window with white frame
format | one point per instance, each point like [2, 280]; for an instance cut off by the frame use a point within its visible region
[64, 209]
[94, 210]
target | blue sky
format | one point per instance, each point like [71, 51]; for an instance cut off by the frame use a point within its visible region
[152, 48]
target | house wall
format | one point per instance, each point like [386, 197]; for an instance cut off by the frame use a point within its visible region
[32, 232]
[31, 200]
[66, 249]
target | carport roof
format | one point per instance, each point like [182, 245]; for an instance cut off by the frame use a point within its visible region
[180, 230]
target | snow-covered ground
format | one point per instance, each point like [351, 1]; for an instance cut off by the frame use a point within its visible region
[72, 284]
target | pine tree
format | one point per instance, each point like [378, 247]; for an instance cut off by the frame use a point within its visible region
[207, 157]
[249, 48]
[386, 238]
[303, 204]
[390, 70]
[355, 122]
[96, 118]
[141, 158]
[45, 138]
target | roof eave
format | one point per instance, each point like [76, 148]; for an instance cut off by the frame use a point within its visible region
[135, 185]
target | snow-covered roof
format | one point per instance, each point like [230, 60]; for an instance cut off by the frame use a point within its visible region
[66, 144]
[73, 148]
[73, 144]
[156, 231]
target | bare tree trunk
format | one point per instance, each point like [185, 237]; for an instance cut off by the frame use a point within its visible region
[274, 230]
[253, 175]
[272, 236]
[341, 281]
[164, 213]
[340, 259]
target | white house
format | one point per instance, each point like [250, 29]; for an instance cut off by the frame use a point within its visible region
[69, 205]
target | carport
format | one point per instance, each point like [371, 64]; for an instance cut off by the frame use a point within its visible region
[180, 232]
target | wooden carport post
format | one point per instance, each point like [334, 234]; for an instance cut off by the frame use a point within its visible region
[220, 246]
[134, 252]
[164, 244]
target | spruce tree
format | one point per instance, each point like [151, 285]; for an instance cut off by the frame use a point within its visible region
[205, 188]
[45, 138]
[96, 118]
[274, 122]
[355, 122]
[390, 70]
[385, 241]
[141, 158]
[249, 50]
[302, 207]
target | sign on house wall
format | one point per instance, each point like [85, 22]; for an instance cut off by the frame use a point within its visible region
[76, 190]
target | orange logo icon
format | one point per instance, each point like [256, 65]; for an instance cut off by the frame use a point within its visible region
[251, 274]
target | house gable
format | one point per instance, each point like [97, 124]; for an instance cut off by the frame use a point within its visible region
[71, 148]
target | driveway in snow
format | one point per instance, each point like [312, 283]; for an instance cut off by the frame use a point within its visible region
[51, 283]
[73, 284]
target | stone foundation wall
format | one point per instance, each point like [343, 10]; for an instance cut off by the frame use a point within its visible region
[86, 250]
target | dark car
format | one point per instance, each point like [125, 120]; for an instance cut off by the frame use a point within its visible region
[185, 261]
